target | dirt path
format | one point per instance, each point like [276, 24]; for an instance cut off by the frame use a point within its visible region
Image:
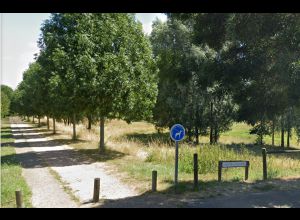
[46, 190]
[38, 154]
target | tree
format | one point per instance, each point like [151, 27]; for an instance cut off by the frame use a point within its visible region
[99, 65]
[192, 68]
[6, 97]
[5, 102]
[123, 73]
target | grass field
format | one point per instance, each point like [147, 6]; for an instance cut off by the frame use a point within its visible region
[136, 149]
[11, 171]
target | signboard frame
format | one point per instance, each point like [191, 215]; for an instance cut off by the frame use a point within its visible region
[233, 164]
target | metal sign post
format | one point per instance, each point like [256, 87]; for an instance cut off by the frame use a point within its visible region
[177, 133]
[176, 164]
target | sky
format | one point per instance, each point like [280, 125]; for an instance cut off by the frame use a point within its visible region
[19, 35]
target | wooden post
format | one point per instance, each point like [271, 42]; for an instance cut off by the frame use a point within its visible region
[96, 190]
[195, 171]
[19, 199]
[220, 171]
[264, 155]
[247, 171]
[154, 180]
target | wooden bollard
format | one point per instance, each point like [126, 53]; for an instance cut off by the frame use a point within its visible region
[246, 172]
[220, 171]
[154, 181]
[96, 190]
[264, 157]
[195, 171]
[19, 199]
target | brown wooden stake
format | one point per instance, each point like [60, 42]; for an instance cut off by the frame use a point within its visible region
[195, 171]
[19, 199]
[220, 171]
[154, 181]
[264, 157]
[246, 172]
[96, 190]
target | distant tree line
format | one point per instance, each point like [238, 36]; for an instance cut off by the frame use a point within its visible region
[202, 70]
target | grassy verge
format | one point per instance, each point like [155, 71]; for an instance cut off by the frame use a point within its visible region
[11, 171]
[136, 149]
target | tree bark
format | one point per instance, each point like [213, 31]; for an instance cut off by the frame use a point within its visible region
[48, 127]
[189, 134]
[101, 146]
[216, 135]
[32, 119]
[74, 126]
[89, 123]
[273, 133]
[211, 141]
[39, 121]
[68, 121]
[288, 137]
[282, 137]
[197, 135]
[54, 129]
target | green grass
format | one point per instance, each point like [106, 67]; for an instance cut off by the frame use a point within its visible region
[11, 172]
[126, 143]
[236, 144]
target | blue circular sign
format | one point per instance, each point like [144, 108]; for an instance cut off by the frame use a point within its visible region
[177, 132]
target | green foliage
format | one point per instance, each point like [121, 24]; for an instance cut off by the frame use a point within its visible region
[5, 102]
[187, 93]
[6, 98]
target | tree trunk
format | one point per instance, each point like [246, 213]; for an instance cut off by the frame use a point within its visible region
[282, 137]
[101, 146]
[288, 137]
[74, 126]
[197, 135]
[211, 141]
[89, 123]
[261, 138]
[28, 118]
[273, 133]
[39, 121]
[189, 134]
[54, 129]
[48, 127]
[68, 121]
[216, 135]
[32, 119]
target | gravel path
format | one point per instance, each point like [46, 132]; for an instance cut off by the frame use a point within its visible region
[37, 153]
[46, 190]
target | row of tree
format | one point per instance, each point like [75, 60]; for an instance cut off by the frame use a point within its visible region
[204, 71]
[97, 66]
